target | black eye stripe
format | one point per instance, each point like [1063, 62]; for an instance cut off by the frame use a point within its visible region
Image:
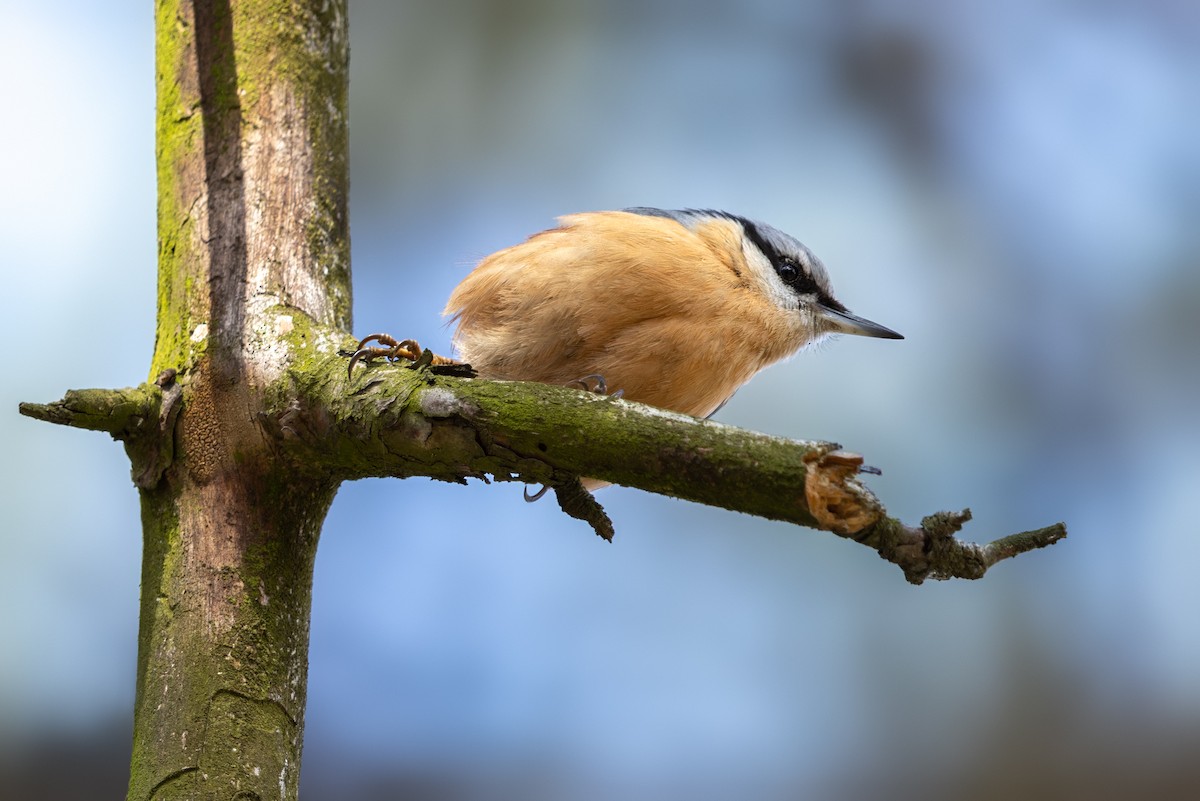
[796, 277]
[790, 271]
[755, 236]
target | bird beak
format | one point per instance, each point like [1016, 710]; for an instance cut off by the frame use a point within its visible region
[843, 322]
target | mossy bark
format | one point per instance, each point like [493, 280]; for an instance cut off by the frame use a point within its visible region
[252, 170]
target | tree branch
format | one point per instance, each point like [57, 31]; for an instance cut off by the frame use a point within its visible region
[142, 417]
[409, 420]
[406, 420]
[118, 412]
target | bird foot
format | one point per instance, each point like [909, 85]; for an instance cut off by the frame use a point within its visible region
[393, 350]
[596, 385]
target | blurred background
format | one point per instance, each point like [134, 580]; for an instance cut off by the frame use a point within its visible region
[1015, 186]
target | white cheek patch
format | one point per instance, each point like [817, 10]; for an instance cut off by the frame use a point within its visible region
[767, 279]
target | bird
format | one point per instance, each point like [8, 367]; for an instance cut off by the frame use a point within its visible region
[676, 308]
[672, 308]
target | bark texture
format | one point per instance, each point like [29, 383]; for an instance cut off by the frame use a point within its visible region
[252, 217]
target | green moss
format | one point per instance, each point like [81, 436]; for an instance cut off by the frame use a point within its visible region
[403, 421]
[160, 564]
[177, 137]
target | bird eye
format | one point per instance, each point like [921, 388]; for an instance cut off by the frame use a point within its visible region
[796, 277]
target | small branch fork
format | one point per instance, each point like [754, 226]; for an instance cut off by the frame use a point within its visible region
[417, 420]
[932, 550]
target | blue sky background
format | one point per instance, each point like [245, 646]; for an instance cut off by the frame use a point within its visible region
[1014, 186]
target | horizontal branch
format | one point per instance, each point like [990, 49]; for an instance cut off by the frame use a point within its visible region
[405, 420]
[115, 411]
[142, 417]
[413, 420]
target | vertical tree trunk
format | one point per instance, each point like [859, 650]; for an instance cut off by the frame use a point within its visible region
[253, 242]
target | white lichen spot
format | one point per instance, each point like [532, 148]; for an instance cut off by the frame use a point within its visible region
[284, 325]
[200, 332]
[665, 414]
[257, 770]
[440, 402]
[326, 341]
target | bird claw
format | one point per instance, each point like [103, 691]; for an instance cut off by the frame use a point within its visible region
[593, 383]
[537, 495]
[596, 385]
[393, 350]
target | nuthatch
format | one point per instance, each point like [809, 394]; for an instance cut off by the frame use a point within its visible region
[676, 309]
